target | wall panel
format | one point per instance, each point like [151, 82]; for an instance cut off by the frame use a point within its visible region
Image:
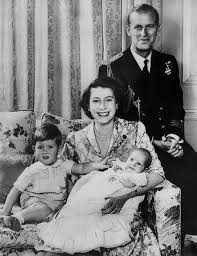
[179, 36]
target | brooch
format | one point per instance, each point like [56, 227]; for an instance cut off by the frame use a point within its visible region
[168, 70]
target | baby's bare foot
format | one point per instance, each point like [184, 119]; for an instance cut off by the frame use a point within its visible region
[10, 222]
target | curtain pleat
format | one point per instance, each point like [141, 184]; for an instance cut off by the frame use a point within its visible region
[137, 2]
[157, 5]
[50, 50]
[75, 72]
[97, 31]
[113, 30]
[20, 54]
[54, 99]
[87, 44]
[31, 52]
[64, 57]
[41, 57]
[6, 56]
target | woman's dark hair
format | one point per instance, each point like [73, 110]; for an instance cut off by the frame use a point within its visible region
[48, 131]
[103, 82]
[144, 8]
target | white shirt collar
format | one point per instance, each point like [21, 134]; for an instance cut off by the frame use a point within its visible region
[140, 60]
[43, 167]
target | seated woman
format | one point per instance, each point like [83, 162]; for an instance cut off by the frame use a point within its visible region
[108, 137]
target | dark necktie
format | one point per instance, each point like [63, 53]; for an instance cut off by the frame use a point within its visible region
[145, 68]
[144, 86]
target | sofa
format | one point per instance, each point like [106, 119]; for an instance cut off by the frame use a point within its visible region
[161, 209]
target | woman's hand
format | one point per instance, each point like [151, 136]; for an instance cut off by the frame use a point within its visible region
[100, 166]
[114, 205]
[85, 168]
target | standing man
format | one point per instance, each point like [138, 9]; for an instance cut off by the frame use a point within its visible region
[152, 93]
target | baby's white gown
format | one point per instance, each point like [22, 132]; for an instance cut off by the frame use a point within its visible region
[80, 225]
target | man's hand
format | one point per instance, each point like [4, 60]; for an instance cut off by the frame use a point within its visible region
[170, 145]
[114, 205]
[176, 149]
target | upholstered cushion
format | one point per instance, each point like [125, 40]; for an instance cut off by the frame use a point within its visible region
[16, 131]
[27, 238]
[11, 166]
[65, 126]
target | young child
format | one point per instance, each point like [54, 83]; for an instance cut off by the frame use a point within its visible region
[42, 186]
[80, 225]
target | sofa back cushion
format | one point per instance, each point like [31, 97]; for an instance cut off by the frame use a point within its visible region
[65, 126]
[16, 131]
[11, 166]
[16, 134]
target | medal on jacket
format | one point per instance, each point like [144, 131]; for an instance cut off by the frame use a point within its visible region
[168, 70]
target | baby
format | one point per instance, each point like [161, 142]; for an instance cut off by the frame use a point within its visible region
[80, 225]
[42, 186]
[131, 175]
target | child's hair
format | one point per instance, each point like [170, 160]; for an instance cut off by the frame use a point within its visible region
[48, 132]
[147, 155]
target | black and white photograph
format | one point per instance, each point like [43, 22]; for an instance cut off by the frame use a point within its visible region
[98, 127]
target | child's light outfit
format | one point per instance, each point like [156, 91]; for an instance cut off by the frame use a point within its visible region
[80, 225]
[42, 184]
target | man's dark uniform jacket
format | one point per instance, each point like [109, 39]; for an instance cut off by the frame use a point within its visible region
[161, 111]
[160, 93]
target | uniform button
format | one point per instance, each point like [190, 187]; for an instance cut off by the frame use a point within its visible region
[161, 108]
[163, 126]
[159, 118]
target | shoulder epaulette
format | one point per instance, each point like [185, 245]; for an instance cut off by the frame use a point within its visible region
[112, 59]
[108, 62]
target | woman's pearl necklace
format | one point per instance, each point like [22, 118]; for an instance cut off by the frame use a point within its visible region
[103, 137]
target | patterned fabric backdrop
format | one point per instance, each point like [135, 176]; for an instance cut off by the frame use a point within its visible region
[50, 50]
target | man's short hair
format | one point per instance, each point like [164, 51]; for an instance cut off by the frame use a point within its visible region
[144, 8]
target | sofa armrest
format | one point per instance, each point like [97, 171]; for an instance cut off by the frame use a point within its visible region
[165, 211]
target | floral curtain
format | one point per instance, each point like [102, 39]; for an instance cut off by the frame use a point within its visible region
[50, 50]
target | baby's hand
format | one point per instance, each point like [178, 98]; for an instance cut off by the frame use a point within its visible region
[116, 167]
[113, 178]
